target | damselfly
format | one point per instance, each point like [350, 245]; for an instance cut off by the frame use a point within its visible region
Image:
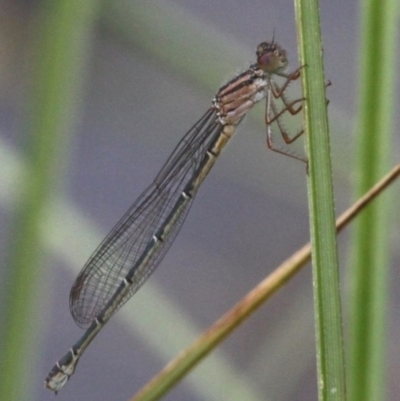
[137, 244]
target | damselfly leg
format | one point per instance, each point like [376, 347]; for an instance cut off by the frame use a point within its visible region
[273, 114]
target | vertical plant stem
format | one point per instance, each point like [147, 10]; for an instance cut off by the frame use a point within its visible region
[370, 250]
[63, 29]
[330, 355]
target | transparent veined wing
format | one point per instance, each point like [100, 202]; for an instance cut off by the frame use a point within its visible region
[130, 239]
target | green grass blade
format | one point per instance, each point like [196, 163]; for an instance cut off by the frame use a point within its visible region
[63, 27]
[330, 355]
[370, 250]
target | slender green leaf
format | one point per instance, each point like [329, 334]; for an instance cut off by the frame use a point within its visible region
[330, 355]
[370, 251]
[63, 29]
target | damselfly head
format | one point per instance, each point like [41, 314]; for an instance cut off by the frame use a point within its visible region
[271, 58]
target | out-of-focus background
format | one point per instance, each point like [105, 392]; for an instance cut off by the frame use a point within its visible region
[147, 72]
